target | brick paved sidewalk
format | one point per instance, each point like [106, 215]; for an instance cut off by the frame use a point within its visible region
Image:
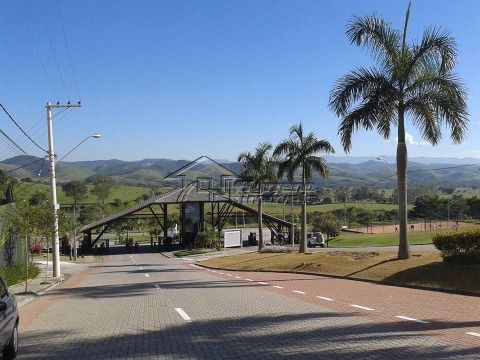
[43, 282]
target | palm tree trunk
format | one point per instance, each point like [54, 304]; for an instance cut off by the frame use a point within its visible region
[403, 247]
[260, 223]
[303, 237]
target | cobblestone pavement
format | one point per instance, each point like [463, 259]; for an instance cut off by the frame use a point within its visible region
[146, 306]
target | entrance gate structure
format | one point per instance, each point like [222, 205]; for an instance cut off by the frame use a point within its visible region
[193, 200]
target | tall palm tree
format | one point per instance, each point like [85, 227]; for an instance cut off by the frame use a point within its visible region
[299, 151]
[411, 79]
[258, 170]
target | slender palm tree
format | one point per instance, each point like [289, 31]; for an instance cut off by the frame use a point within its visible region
[299, 151]
[258, 170]
[413, 80]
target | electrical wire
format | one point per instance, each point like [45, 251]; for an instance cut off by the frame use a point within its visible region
[445, 168]
[23, 166]
[37, 50]
[67, 46]
[23, 131]
[54, 55]
[13, 142]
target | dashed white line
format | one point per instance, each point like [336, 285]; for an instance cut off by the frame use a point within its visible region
[277, 287]
[229, 274]
[411, 319]
[473, 334]
[249, 279]
[221, 273]
[183, 314]
[261, 283]
[146, 275]
[362, 307]
[237, 277]
[299, 292]
[325, 298]
[141, 268]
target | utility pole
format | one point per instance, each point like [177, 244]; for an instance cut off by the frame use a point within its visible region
[56, 206]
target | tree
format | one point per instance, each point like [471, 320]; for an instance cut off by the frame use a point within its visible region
[328, 224]
[258, 170]
[24, 221]
[412, 79]
[102, 185]
[77, 191]
[37, 198]
[299, 151]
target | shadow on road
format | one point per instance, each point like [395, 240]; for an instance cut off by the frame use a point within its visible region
[281, 337]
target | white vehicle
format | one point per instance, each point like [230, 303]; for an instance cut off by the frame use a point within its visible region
[315, 239]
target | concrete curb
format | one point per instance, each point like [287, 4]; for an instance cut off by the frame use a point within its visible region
[417, 287]
[32, 295]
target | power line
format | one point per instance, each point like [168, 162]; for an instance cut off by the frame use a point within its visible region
[23, 131]
[54, 54]
[23, 166]
[13, 142]
[68, 48]
[444, 168]
[36, 49]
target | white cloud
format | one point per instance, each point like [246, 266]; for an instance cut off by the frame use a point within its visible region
[410, 140]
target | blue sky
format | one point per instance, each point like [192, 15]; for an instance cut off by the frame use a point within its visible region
[179, 79]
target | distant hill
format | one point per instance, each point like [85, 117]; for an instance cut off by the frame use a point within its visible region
[151, 172]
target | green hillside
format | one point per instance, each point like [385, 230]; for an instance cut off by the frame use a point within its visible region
[23, 191]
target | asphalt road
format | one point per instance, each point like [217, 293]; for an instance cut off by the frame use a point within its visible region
[147, 306]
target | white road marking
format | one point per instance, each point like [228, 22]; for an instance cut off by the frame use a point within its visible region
[261, 283]
[249, 279]
[277, 287]
[214, 271]
[141, 268]
[298, 292]
[362, 307]
[221, 273]
[146, 275]
[183, 314]
[325, 298]
[236, 277]
[229, 274]
[157, 286]
[473, 334]
[411, 319]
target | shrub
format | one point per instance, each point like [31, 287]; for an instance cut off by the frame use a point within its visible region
[278, 249]
[208, 239]
[36, 249]
[459, 246]
[17, 273]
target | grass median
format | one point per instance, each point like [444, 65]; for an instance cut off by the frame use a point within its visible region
[423, 269]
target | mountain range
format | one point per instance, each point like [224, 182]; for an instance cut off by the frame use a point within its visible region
[344, 171]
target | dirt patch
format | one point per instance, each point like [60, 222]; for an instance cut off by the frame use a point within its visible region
[354, 255]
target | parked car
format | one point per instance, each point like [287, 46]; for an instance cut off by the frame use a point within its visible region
[315, 239]
[8, 323]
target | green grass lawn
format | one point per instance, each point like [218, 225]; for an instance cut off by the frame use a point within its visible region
[354, 239]
[276, 209]
[182, 253]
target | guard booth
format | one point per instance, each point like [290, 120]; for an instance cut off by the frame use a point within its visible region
[195, 200]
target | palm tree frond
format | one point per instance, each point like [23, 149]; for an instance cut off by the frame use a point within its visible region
[377, 35]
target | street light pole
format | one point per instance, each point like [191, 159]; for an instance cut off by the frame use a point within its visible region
[56, 206]
[94, 136]
[385, 161]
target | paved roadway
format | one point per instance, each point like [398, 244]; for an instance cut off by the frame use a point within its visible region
[146, 306]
